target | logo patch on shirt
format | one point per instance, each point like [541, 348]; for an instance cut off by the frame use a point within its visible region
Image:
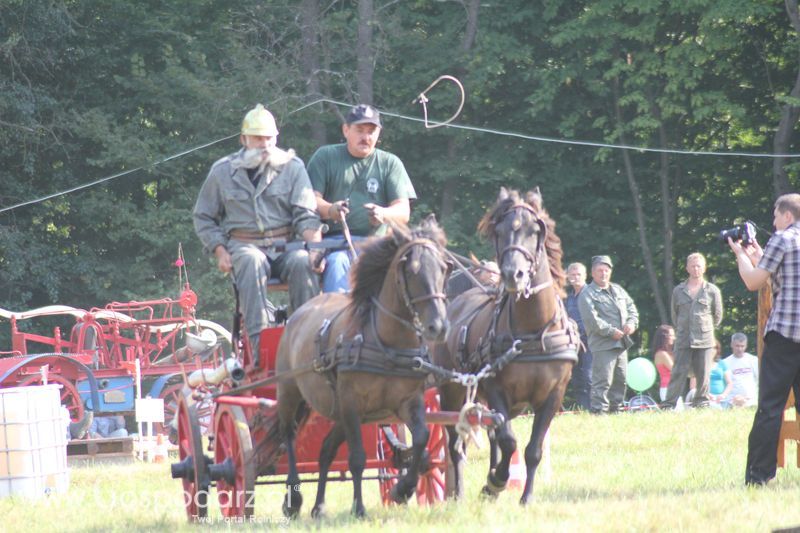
[372, 185]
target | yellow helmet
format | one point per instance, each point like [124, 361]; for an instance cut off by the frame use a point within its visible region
[259, 121]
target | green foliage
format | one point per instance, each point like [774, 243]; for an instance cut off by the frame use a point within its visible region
[96, 88]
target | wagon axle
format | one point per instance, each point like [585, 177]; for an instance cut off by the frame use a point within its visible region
[226, 470]
[183, 469]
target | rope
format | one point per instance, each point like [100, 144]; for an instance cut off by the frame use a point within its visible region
[115, 176]
[426, 122]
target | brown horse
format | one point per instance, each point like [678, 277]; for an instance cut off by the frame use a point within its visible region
[363, 347]
[521, 333]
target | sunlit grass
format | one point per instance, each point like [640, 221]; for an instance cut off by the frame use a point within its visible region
[633, 472]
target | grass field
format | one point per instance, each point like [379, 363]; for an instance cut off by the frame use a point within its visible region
[632, 472]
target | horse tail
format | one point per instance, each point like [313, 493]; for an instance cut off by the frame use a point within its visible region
[273, 445]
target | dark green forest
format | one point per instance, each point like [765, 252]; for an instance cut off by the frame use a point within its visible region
[92, 89]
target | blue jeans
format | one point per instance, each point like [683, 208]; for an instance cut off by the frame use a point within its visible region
[336, 277]
[582, 377]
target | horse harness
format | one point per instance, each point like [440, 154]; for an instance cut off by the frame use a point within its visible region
[361, 353]
[558, 340]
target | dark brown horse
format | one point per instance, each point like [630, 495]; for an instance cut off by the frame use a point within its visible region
[520, 332]
[363, 346]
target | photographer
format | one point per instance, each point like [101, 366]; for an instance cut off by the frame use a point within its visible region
[780, 361]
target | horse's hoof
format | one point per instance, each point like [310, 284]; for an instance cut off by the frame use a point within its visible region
[488, 493]
[493, 486]
[319, 512]
[496, 484]
[399, 494]
[359, 511]
[292, 502]
[525, 500]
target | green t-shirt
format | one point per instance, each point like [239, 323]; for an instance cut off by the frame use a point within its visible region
[380, 179]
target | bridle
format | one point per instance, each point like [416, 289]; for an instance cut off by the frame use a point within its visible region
[533, 258]
[401, 258]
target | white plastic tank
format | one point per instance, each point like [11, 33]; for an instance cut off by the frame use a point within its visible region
[33, 443]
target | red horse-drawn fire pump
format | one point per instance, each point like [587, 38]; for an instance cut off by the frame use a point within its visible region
[95, 364]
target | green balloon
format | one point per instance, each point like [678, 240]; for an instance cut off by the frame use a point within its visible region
[641, 374]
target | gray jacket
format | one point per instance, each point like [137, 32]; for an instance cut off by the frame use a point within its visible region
[604, 310]
[695, 318]
[228, 200]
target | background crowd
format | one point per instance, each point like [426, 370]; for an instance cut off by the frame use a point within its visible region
[688, 358]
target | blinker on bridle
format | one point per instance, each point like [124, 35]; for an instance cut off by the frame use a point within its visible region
[400, 276]
[532, 258]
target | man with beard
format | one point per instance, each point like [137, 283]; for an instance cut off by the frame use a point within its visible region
[357, 182]
[253, 202]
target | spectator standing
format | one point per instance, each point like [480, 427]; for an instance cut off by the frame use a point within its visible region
[696, 311]
[610, 318]
[744, 371]
[779, 262]
[582, 372]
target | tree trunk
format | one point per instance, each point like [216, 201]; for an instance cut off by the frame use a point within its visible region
[668, 192]
[450, 186]
[309, 32]
[637, 205]
[666, 208]
[471, 31]
[365, 50]
[789, 116]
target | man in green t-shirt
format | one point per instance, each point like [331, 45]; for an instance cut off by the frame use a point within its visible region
[357, 182]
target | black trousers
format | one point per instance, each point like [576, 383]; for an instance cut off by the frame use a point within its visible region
[779, 373]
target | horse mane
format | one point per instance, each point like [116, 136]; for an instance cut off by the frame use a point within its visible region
[552, 243]
[375, 257]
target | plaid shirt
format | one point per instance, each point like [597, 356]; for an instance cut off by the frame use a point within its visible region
[782, 260]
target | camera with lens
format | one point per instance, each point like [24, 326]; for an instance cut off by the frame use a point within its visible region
[746, 233]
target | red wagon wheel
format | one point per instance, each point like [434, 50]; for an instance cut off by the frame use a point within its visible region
[171, 396]
[432, 486]
[70, 397]
[233, 447]
[190, 451]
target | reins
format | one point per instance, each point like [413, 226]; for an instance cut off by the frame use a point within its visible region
[454, 257]
[348, 238]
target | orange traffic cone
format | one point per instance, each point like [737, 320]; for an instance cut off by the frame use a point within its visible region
[160, 452]
[516, 472]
